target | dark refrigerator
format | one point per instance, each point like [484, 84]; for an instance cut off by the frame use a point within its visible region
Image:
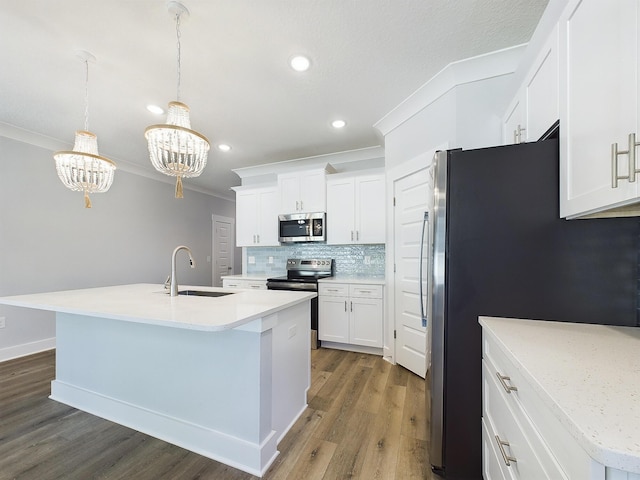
[500, 249]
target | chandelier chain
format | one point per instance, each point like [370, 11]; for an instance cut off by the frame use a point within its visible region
[86, 96]
[178, 45]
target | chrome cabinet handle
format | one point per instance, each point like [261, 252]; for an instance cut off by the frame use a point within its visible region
[503, 381]
[352, 235]
[351, 306]
[507, 459]
[357, 234]
[258, 237]
[345, 305]
[631, 152]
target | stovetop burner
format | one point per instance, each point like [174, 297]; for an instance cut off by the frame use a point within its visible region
[305, 271]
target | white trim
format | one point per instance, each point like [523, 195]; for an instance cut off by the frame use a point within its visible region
[17, 351]
[235, 452]
[482, 67]
[333, 159]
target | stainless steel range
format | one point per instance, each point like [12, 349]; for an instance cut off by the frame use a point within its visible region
[303, 274]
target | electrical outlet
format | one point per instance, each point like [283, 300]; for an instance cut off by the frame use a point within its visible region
[367, 260]
[208, 258]
[252, 260]
[2, 321]
[270, 260]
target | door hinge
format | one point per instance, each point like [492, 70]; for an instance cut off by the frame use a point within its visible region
[394, 334]
[394, 268]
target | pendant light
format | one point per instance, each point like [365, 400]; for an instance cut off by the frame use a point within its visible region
[83, 169]
[175, 149]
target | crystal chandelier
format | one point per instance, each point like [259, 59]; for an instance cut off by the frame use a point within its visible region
[175, 149]
[83, 169]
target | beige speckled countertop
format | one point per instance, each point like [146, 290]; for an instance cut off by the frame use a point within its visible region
[588, 375]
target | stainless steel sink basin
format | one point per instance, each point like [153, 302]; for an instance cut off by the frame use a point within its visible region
[204, 293]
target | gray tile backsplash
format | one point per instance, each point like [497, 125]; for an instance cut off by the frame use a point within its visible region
[348, 259]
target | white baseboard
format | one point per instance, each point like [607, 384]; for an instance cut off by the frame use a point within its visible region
[17, 351]
[253, 458]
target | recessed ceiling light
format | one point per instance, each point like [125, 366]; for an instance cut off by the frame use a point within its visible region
[155, 109]
[338, 123]
[223, 147]
[300, 63]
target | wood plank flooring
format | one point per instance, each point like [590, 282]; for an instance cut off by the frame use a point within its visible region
[366, 420]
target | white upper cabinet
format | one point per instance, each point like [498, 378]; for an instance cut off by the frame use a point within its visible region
[535, 107]
[599, 107]
[355, 209]
[303, 191]
[257, 216]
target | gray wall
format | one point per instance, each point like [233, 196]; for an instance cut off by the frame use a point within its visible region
[49, 241]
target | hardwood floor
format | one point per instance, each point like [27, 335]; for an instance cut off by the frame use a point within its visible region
[366, 419]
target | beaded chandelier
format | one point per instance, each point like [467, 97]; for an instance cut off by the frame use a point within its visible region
[175, 149]
[83, 169]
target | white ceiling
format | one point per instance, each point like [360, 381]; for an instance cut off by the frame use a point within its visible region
[367, 57]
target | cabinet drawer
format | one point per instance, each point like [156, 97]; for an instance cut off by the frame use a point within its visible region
[493, 467]
[365, 291]
[506, 424]
[333, 289]
[256, 285]
[535, 417]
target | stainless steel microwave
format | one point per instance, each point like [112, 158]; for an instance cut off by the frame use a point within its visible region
[302, 227]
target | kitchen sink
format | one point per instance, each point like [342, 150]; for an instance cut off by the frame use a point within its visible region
[203, 293]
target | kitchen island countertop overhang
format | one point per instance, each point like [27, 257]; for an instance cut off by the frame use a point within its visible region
[152, 304]
[225, 377]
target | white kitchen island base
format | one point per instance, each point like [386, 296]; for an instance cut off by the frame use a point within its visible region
[229, 395]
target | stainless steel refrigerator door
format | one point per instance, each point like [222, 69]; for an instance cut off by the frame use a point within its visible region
[436, 375]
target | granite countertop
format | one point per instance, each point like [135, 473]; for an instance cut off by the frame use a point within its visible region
[151, 304]
[588, 375]
[362, 279]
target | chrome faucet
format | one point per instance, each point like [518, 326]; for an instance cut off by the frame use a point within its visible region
[174, 280]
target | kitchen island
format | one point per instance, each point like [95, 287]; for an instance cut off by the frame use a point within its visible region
[225, 377]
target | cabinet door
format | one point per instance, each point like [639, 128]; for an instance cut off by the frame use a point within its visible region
[289, 186]
[333, 319]
[541, 92]
[246, 218]
[268, 218]
[513, 124]
[340, 211]
[370, 211]
[365, 322]
[313, 191]
[600, 102]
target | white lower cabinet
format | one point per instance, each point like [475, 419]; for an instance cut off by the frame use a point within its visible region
[244, 283]
[350, 313]
[521, 436]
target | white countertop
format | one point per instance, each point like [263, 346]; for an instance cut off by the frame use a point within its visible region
[362, 279]
[251, 276]
[588, 375]
[151, 304]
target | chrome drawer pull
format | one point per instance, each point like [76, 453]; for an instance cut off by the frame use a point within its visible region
[507, 459]
[503, 381]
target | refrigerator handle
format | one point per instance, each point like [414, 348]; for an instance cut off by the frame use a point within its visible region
[423, 315]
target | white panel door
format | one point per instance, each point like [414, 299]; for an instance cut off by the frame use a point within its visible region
[412, 197]
[223, 245]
